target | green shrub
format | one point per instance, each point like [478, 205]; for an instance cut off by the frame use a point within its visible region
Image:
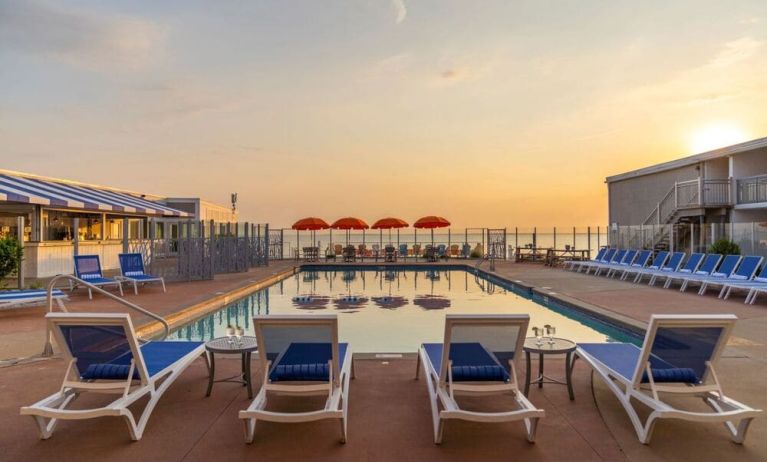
[10, 256]
[724, 247]
[475, 254]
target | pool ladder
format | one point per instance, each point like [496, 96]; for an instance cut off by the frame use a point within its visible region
[48, 348]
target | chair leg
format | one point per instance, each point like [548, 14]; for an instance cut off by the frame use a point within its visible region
[135, 288]
[163, 283]
[90, 294]
[120, 286]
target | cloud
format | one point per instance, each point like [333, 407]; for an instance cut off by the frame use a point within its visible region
[79, 38]
[400, 10]
[736, 51]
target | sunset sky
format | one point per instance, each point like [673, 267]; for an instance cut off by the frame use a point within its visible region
[490, 113]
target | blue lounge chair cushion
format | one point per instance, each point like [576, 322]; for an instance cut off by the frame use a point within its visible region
[99, 280]
[471, 362]
[306, 362]
[157, 356]
[622, 358]
[16, 295]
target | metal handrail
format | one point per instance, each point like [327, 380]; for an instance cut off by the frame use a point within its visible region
[48, 348]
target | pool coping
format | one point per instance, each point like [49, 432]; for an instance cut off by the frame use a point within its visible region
[153, 329]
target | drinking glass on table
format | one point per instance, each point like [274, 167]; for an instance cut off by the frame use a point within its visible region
[239, 332]
[229, 335]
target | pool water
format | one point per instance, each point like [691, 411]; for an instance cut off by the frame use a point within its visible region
[395, 310]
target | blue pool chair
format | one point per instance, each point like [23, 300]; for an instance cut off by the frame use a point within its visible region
[88, 268]
[641, 259]
[573, 264]
[301, 356]
[465, 251]
[20, 298]
[668, 264]
[616, 260]
[628, 260]
[657, 263]
[482, 362]
[132, 269]
[403, 250]
[725, 270]
[705, 268]
[442, 251]
[745, 272]
[606, 258]
[103, 355]
[691, 265]
[679, 357]
[754, 286]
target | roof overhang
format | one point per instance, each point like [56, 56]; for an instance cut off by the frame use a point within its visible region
[32, 189]
[691, 160]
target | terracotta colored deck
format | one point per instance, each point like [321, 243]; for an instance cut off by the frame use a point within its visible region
[389, 412]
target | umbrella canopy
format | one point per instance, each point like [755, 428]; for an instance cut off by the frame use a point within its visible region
[349, 223]
[431, 222]
[310, 224]
[389, 223]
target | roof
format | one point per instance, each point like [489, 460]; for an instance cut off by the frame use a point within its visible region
[34, 189]
[691, 160]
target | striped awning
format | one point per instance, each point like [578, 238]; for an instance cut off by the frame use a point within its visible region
[61, 194]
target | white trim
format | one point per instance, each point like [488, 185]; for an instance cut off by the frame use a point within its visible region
[736, 416]
[442, 389]
[48, 411]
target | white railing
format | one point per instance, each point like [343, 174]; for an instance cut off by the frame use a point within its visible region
[689, 195]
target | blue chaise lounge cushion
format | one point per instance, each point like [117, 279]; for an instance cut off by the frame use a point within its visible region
[157, 356]
[306, 362]
[471, 362]
[622, 358]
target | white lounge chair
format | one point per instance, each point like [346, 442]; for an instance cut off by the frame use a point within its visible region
[481, 354]
[754, 286]
[679, 356]
[21, 298]
[103, 355]
[301, 355]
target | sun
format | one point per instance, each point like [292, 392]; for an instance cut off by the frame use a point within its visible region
[717, 135]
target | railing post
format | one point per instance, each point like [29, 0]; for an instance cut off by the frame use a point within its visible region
[657, 213]
[76, 236]
[701, 200]
[20, 237]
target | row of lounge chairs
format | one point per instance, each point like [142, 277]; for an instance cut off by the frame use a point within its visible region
[706, 271]
[87, 268]
[301, 355]
[392, 253]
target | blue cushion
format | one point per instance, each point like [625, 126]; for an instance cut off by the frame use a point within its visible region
[470, 362]
[157, 356]
[306, 362]
[673, 375]
[142, 277]
[96, 281]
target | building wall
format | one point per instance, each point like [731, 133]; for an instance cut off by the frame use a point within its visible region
[633, 199]
[750, 163]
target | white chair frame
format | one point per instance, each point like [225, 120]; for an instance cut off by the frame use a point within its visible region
[49, 411]
[442, 389]
[336, 389]
[736, 416]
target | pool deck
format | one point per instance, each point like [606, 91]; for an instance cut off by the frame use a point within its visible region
[187, 426]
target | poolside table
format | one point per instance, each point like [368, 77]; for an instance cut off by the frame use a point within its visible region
[558, 347]
[224, 345]
[556, 256]
[532, 254]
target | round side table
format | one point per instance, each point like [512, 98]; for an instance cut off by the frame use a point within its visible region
[223, 345]
[560, 346]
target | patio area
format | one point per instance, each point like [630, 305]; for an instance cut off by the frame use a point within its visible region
[389, 410]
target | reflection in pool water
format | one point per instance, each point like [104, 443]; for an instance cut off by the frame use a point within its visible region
[394, 310]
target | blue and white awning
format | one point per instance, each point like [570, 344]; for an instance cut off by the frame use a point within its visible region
[60, 194]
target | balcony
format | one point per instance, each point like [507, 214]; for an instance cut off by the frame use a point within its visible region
[752, 190]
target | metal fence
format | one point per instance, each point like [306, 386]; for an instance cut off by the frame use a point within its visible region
[692, 237]
[288, 244]
[199, 250]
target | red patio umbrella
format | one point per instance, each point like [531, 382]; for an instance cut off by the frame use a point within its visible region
[349, 223]
[431, 222]
[390, 223]
[309, 224]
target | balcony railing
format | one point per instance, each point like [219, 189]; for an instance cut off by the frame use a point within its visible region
[752, 190]
[690, 195]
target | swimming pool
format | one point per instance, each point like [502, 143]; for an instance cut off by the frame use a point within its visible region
[395, 309]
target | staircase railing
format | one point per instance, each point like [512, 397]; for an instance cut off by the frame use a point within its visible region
[690, 194]
[48, 348]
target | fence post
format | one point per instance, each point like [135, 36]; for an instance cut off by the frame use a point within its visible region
[212, 249]
[20, 237]
[247, 246]
[588, 239]
[76, 236]
[126, 230]
[266, 244]
[555, 237]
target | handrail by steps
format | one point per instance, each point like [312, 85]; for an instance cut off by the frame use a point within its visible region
[48, 348]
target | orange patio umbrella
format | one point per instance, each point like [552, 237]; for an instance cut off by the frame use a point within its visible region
[431, 222]
[389, 223]
[349, 223]
[309, 224]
